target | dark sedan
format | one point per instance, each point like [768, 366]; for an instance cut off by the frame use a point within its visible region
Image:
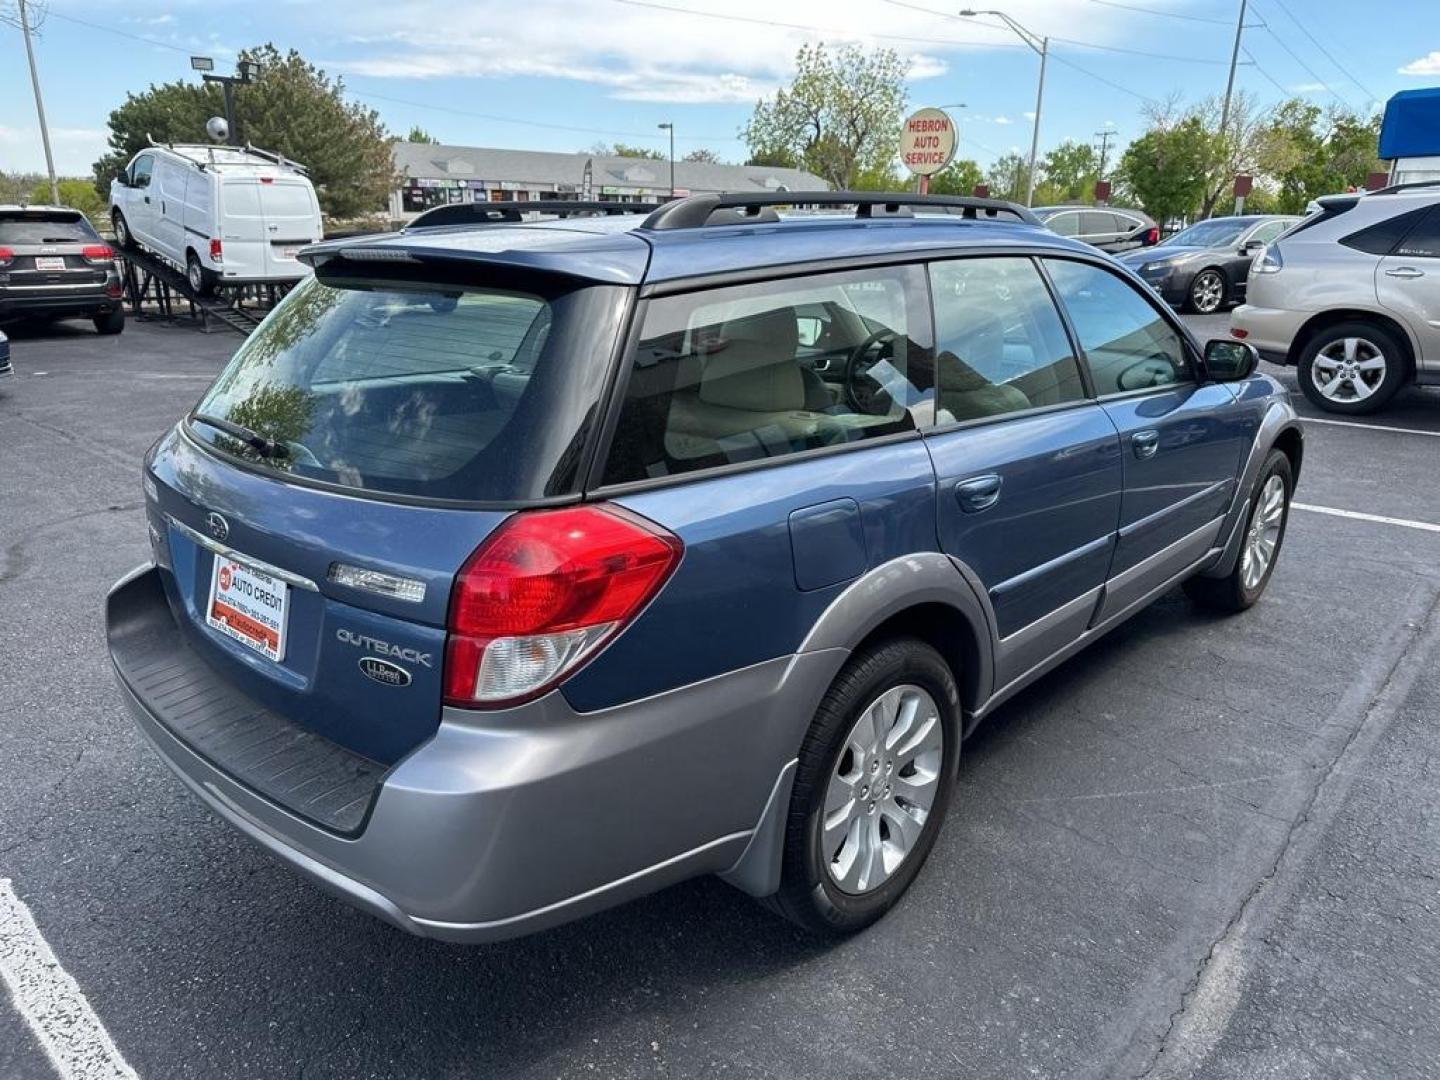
[1205, 267]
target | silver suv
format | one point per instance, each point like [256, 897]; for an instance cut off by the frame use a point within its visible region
[1351, 297]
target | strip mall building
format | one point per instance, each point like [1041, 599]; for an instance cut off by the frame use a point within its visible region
[431, 174]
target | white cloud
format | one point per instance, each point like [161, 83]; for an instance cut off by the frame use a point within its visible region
[638, 52]
[1426, 65]
[1030, 115]
[1002, 120]
[1309, 87]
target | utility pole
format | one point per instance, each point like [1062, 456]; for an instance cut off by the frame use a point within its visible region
[1041, 46]
[1104, 137]
[39, 103]
[670, 127]
[1230, 82]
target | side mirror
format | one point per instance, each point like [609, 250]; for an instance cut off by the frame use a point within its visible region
[1230, 361]
[123, 178]
[1252, 247]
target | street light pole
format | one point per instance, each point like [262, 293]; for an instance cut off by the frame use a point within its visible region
[670, 127]
[1234, 59]
[39, 105]
[1040, 45]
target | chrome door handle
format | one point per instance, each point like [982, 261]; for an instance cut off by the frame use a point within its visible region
[979, 493]
[1405, 272]
[1145, 443]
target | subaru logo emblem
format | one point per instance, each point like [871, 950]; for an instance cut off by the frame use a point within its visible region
[218, 526]
[382, 671]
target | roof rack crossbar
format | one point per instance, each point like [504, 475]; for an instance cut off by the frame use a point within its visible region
[697, 211]
[500, 213]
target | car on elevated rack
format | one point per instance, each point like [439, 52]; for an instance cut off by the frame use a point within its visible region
[514, 569]
[53, 265]
[1207, 266]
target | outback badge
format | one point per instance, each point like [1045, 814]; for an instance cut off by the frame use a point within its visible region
[383, 671]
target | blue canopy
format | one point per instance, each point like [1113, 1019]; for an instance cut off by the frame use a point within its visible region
[1411, 127]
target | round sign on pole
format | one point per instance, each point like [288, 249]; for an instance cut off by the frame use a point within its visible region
[927, 141]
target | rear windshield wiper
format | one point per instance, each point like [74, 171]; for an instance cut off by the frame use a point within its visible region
[267, 448]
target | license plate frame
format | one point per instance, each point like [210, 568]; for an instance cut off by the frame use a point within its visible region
[50, 263]
[249, 606]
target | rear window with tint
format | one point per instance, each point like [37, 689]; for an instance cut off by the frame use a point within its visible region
[1382, 237]
[46, 229]
[426, 390]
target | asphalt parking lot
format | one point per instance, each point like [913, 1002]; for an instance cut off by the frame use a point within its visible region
[1205, 847]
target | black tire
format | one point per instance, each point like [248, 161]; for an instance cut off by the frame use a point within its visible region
[1201, 297]
[1231, 593]
[123, 236]
[808, 896]
[112, 322]
[202, 281]
[1370, 338]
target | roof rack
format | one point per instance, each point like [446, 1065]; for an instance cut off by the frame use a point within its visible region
[698, 211]
[499, 213]
[1411, 186]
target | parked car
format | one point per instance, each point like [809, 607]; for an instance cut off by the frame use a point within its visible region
[222, 214]
[1206, 266]
[1108, 228]
[7, 370]
[1350, 298]
[510, 572]
[53, 265]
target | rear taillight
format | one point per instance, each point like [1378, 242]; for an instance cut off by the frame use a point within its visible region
[97, 253]
[1152, 237]
[217, 251]
[7, 256]
[543, 593]
[1269, 261]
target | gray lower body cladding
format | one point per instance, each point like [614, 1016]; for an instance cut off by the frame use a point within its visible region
[511, 821]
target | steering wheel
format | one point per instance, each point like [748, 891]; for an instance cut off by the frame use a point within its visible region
[853, 370]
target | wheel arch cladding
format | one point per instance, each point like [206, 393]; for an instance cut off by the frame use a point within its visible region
[924, 596]
[1326, 319]
[1290, 442]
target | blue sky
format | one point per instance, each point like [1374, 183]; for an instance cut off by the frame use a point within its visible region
[565, 74]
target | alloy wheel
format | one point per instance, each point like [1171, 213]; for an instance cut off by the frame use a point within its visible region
[194, 273]
[882, 789]
[1207, 292]
[1348, 369]
[1264, 533]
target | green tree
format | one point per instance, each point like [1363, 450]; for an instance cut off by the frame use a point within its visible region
[601, 149]
[75, 193]
[293, 107]
[702, 153]
[1068, 174]
[418, 134]
[957, 178]
[839, 117]
[1007, 177]
[774, 158]
[1307, 152]
[1166, 168]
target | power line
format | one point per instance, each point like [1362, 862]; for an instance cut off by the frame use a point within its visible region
[1158, 11]
[836, 31]
[1053, 40]
[1270, 78]
[1265, 25]
[418, 104]
[1326, 52]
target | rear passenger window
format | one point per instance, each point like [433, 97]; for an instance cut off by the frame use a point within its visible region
[1096, 222]
[1127, 343]
[762, 371]
[1000, 345]
[1383, 237]
[1423, 241]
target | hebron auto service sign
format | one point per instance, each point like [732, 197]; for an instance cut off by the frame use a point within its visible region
[927, 141]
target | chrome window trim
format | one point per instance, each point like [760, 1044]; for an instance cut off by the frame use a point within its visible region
[287, 576]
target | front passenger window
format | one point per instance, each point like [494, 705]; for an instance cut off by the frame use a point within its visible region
[1128, 344]
[1000, 345]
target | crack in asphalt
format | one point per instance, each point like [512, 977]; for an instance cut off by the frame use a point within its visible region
[1220, 961]
[13, 560]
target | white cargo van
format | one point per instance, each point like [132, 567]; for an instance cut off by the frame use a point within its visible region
[223, 214]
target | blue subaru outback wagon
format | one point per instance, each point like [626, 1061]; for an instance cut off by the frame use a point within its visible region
[514, 569]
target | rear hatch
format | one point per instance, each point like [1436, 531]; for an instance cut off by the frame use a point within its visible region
[311, 515]
[265, 222]
[40, 248]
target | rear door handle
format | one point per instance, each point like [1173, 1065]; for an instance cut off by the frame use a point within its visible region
[1145, 443]
[1405, 272]
[147, 198]
[978, 493]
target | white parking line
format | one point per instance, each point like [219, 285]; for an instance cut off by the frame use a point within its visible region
[1379, 519]
[65, 1025]
[1369, 427]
